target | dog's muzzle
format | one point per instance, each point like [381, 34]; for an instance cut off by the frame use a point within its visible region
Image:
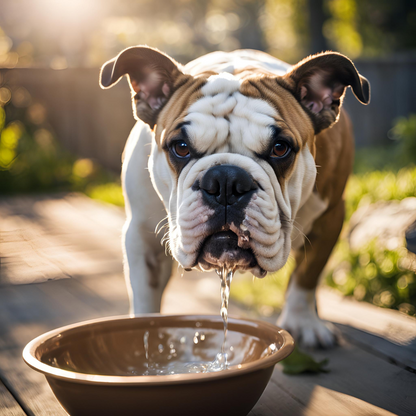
[227, 189]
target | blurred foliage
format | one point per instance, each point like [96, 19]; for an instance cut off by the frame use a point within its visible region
[386, 26]
[404, 131]
[380, 158]
[263, 295]
[400, 152]
[379, 174]
[375, 274]
[285, 27]
[31, 160]
[367, 188]
[341, 29]
[108, 192]
[87, 33]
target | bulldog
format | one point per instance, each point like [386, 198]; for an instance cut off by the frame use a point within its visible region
[249, 158]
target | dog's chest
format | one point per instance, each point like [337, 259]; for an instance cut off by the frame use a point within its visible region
[313, 208]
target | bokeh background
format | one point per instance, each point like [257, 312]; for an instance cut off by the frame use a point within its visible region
[61, 133]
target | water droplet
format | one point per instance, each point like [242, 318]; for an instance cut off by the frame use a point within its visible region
[272, 348]
[183, 340]
[160, 348]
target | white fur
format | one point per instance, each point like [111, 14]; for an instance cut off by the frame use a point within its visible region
[300, 318]
[248, 124]
[145, 262]
[236, 61]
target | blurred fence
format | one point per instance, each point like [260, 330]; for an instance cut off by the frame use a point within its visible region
[94, 123]
[393, 94]
[88, 121]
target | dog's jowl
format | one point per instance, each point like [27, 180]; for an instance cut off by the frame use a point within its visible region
[249, 160]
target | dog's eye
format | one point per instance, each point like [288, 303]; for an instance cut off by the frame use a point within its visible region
[181, 149]
[280, 149]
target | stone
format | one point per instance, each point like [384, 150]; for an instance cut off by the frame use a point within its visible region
[385, 220]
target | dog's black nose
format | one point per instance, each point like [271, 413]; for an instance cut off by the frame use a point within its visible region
[227, 184]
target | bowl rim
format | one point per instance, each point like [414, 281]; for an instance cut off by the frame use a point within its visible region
[29, 356]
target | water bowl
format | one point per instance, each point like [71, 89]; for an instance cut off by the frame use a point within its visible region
[155, 365]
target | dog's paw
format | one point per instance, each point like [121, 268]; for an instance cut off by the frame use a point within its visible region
[308, 330]
[299, 317]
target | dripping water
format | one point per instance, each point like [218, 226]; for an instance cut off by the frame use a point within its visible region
[226, 276]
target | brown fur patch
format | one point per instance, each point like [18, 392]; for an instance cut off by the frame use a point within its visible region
[292, 119]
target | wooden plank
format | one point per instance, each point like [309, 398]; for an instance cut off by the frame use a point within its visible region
[358, 383]
[110, 288]
[326, 402]
[276, 401]
[30, 310]
[77, 301]
[402, 355]
[52, 238]
[387, 332]
[8, 404]
[28, 386]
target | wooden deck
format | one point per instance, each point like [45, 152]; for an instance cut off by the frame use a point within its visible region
[61, 263]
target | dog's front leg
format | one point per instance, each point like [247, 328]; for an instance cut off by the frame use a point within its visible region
[299, 315]
[147, 268]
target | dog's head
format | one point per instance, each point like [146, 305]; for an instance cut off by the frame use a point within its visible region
[233, 155]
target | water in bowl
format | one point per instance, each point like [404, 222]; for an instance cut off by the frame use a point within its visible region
[220, 362]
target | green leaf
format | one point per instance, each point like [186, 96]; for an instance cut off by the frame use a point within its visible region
[298, 362]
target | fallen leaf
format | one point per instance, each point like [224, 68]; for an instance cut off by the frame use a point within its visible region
[299, 362]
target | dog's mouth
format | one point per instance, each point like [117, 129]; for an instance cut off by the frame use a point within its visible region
[222, 249]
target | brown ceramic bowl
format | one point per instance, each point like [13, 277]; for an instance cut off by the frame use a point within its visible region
[97, 367]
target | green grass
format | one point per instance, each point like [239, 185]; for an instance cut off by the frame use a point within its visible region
[375, 274]
[369, 187]
[108, 192]
[265, 296]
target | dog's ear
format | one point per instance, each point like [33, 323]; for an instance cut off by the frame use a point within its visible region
[152, 78]
[319, 83]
